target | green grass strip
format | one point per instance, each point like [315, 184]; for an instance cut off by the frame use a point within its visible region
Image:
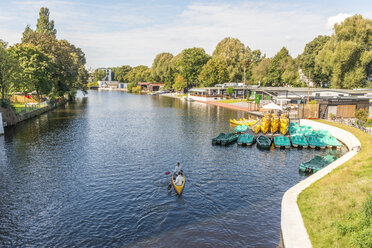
[332, 207]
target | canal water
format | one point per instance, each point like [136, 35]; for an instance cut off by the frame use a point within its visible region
[92, 174]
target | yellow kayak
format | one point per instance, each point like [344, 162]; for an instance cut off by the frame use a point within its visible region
[256, 128]
[178, 188]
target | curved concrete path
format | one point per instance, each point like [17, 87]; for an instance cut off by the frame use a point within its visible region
[294, 233]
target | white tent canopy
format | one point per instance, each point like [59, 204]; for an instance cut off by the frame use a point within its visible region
[272, 106]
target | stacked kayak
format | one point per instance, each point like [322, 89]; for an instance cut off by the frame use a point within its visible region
[228, 139]
[284, 124]
[246, 139]
[263, 142]
[265, 124]
[217, 140]
[299, 140]
[317, 163]
[294, 128]
[256, 128]
[241, 129]
[282, 142]
[322, 133]
[274, 124]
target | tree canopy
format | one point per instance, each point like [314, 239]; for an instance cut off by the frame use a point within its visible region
[160, 66]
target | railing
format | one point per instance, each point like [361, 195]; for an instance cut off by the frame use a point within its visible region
[361, 125]
[31, 106]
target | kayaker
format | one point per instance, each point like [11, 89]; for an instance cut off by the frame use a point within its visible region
[178, 168]
[179, 180]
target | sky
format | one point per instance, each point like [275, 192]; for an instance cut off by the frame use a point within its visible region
[115, 33]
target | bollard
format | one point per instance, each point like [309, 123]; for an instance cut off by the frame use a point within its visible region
[1, 124]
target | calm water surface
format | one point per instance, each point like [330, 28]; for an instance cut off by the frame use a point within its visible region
[91, 174]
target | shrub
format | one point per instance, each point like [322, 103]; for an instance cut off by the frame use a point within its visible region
[362, 114]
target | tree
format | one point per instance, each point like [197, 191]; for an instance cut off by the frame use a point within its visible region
[9, 69]
[230, 91]
[179, 83]
[43, 24]
[138, 74]
[121, 72]
[191, 63]
[260, 71]
[236, 55]
[160, 66]
[213, 72]
[306, 60]
[347, 56]
[282, 69]
[36, 68]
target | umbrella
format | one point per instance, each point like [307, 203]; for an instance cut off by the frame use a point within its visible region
[272, 106]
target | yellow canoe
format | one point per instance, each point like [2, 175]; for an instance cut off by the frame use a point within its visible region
[256, 128]
[178, 188]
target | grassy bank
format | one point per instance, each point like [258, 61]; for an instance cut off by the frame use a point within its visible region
[332, 208]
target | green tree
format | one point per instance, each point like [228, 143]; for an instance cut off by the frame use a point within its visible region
[306, 60]
[346, 58]
[160, 66]
[121, 72]
[236, 55]
[260, 71]
[99, 75]
[179, 83]
[214, 72]
[282, 69]
[35, 66]
[230, 91]
[43, 24]
[191, 63]
[139, 73]
[9, 71]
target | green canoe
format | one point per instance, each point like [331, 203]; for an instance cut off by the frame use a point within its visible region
[217, 140]
[282, 141]
[229, 138]
[263, 142]
[246, 139]
[316, 163]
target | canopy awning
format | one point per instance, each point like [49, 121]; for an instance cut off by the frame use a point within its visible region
[272, 106]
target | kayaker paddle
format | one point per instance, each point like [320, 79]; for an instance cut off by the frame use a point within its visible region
[169, 186]
[167, 173]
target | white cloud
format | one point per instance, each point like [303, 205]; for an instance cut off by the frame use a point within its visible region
[336, 19]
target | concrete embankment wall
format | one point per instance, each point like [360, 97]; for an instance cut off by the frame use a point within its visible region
[293, 230]
[9, 118]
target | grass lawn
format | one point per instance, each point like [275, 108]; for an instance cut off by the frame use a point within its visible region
[232, 100]
[20, 108]
[332, 207]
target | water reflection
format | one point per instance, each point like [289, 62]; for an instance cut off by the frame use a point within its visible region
[92, 174]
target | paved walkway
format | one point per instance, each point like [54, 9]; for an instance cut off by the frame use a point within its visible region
[233, 107]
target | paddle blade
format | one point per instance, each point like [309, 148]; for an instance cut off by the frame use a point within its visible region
[167, 173]
[169, 186]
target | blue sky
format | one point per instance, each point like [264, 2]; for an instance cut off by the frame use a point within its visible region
[115, 33]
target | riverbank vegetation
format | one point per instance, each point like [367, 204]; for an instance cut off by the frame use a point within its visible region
[342, 60]
[42, 64]
[337, 209]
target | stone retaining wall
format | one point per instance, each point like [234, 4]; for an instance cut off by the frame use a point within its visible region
[293, 230]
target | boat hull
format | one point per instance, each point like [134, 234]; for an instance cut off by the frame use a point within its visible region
[178, 188]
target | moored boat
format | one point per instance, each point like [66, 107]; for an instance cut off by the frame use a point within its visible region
[316, 163]
[229, 138]
[315, 142]
[217, 140]
[263, 142]
[298, 140]
[241, 129]
[178, 187]
[282, 141]
[246, 139]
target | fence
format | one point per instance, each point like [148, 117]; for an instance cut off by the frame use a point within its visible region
[30, 106]
[308, 111]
